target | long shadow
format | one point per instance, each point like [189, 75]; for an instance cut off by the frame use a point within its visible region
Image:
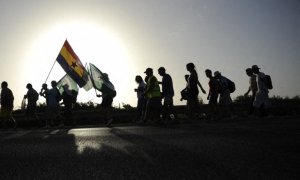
[37, 155]
[119, 154]
[153, 159]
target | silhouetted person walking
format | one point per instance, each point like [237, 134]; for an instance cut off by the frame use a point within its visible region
[183, 92]
[141, 103]
[252, 88]
[167, 94]
[153, 94]
[44, 92]
[7, 105]
[68, 100]
[225, 100]
[32, 96]
[107, 100]
[213, 94]
[53, 97]
[192, 91]
[261, 100]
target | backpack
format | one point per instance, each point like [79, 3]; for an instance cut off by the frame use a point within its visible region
[268, 81]
[231, 86]
[184, 94]
[35, 95]
[58, 96]
[113, 94]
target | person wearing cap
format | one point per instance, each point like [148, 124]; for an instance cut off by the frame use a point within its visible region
[32, 96]
[192, 91]
[7, 105]
[261, 100]
[153, 95]
[252, 88]
[167, 94]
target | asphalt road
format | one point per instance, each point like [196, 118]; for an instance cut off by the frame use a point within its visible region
[245, 149]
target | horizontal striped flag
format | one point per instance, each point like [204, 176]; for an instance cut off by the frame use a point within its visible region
[72, 65]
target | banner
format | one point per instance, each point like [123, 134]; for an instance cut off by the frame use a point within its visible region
[68, 83]
[101, 81]
[72, 65]
[89, 85]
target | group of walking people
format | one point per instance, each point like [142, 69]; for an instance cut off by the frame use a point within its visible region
[54, 97]
[155, 98]
[150, 107]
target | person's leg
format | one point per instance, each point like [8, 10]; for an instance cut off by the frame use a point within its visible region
[193, 108]
[47, 117]
[139, 110]
[3, 117]
[157, 109]
[67, 115]
[262, 110]
[108, 112]
[52, 116]
[108, 116]
[171, 111]
[213, 107]
[251, 107]
[31, 114]
[36, 117]
[146, 111]
[165, 110]
[13, 119]
[189, 107]
[7, 117]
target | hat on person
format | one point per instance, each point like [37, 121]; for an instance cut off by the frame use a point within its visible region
[148, 70]
[255, 67]
[217, 73]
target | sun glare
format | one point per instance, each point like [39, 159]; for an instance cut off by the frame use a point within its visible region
[92, 43]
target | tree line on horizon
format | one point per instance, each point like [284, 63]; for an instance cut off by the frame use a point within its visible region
[276, 99]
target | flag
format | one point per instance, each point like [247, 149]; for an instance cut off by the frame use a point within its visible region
[96, 76]
[89, 85]
[100, 82]
[72, 65]
[67, 80]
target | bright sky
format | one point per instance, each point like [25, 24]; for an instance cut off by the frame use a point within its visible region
[124, 37]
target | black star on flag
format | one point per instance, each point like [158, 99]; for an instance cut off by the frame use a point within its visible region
[73, 65]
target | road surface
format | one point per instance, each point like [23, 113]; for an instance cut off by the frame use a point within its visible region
[254, 149]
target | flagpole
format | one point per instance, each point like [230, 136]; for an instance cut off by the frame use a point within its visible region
[50, 71]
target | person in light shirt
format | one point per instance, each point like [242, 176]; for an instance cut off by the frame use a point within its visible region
[252, 88]
[261, 101]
